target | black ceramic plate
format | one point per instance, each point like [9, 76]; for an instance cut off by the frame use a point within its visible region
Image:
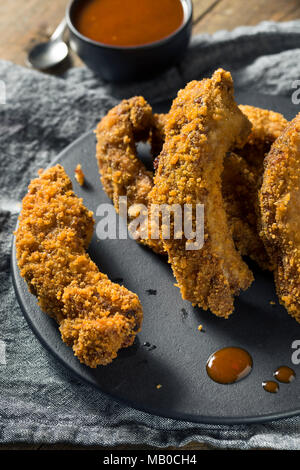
[177, 356]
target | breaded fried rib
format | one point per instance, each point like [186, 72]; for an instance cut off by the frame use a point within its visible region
[240, 195]
[96, 316]
[203, 124]
[241, 179]
[157, 135]
[279, 204]
[122, 173]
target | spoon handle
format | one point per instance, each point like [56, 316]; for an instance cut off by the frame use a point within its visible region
[59, 32]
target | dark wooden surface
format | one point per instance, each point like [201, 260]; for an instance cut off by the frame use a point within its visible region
[23, 23]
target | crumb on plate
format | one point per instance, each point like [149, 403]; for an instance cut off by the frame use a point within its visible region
[79, 175]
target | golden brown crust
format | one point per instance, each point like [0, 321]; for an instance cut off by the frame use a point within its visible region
[96, 316]
[79, 175]
[241, 178]
[279, 204]
[157, 135]
[203, 124]
[266, 128]
[122, 173]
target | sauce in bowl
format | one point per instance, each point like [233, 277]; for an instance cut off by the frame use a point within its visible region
[229, 365]
[128, 22]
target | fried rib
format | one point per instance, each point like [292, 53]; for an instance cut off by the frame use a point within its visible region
[240, 194]
[266, 128]
[203, 124]
[241, 179]
[96, 316]
[279, 204]
[122, 173]
[157, 135]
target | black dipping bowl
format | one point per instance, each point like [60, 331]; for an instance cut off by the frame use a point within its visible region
[120, 64]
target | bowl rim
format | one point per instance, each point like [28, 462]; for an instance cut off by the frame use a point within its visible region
[159, 42]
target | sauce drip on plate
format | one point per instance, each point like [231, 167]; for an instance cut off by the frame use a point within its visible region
[270, 386]
[284, 374]
[229, 365]
[130, 22]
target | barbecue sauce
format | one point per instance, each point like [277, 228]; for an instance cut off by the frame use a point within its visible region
[284, 374]
[130, 22]
[229, 365]
[270, 386]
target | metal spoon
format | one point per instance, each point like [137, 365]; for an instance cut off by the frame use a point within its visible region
[47, 54]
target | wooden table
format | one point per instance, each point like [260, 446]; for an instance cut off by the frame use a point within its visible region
[25, 22]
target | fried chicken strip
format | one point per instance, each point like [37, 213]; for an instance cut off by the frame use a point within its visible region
[242, 177]
[240, 186]
[203, 124]
[96, 316]
[279, 204]
[267, 126]
[122, 173]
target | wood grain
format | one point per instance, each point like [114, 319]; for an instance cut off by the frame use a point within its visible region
[228, 14]
[24, 23]
[202, 7]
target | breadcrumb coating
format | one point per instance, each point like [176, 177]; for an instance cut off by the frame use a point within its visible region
[267, 126]
[96, 316]
[157, 135]
[241, 179]
[279, 204]
[240, 194]
[122, 173]
[79, 175]
[204, 123]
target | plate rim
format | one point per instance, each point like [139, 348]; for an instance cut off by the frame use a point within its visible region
[200, 419]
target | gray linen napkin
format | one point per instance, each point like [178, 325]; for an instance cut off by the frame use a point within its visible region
[39, 402]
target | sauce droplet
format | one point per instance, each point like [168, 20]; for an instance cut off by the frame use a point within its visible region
[130, 23]
[229, 365]
[284, 374]
[270, 386]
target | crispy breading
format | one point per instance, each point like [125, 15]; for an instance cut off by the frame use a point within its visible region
[241, 179]
[267, 126]
[203, 124]
[157, 135]
[122, 173]
[96, 316]
[240, 194]
[79, 175]
[279, 204]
